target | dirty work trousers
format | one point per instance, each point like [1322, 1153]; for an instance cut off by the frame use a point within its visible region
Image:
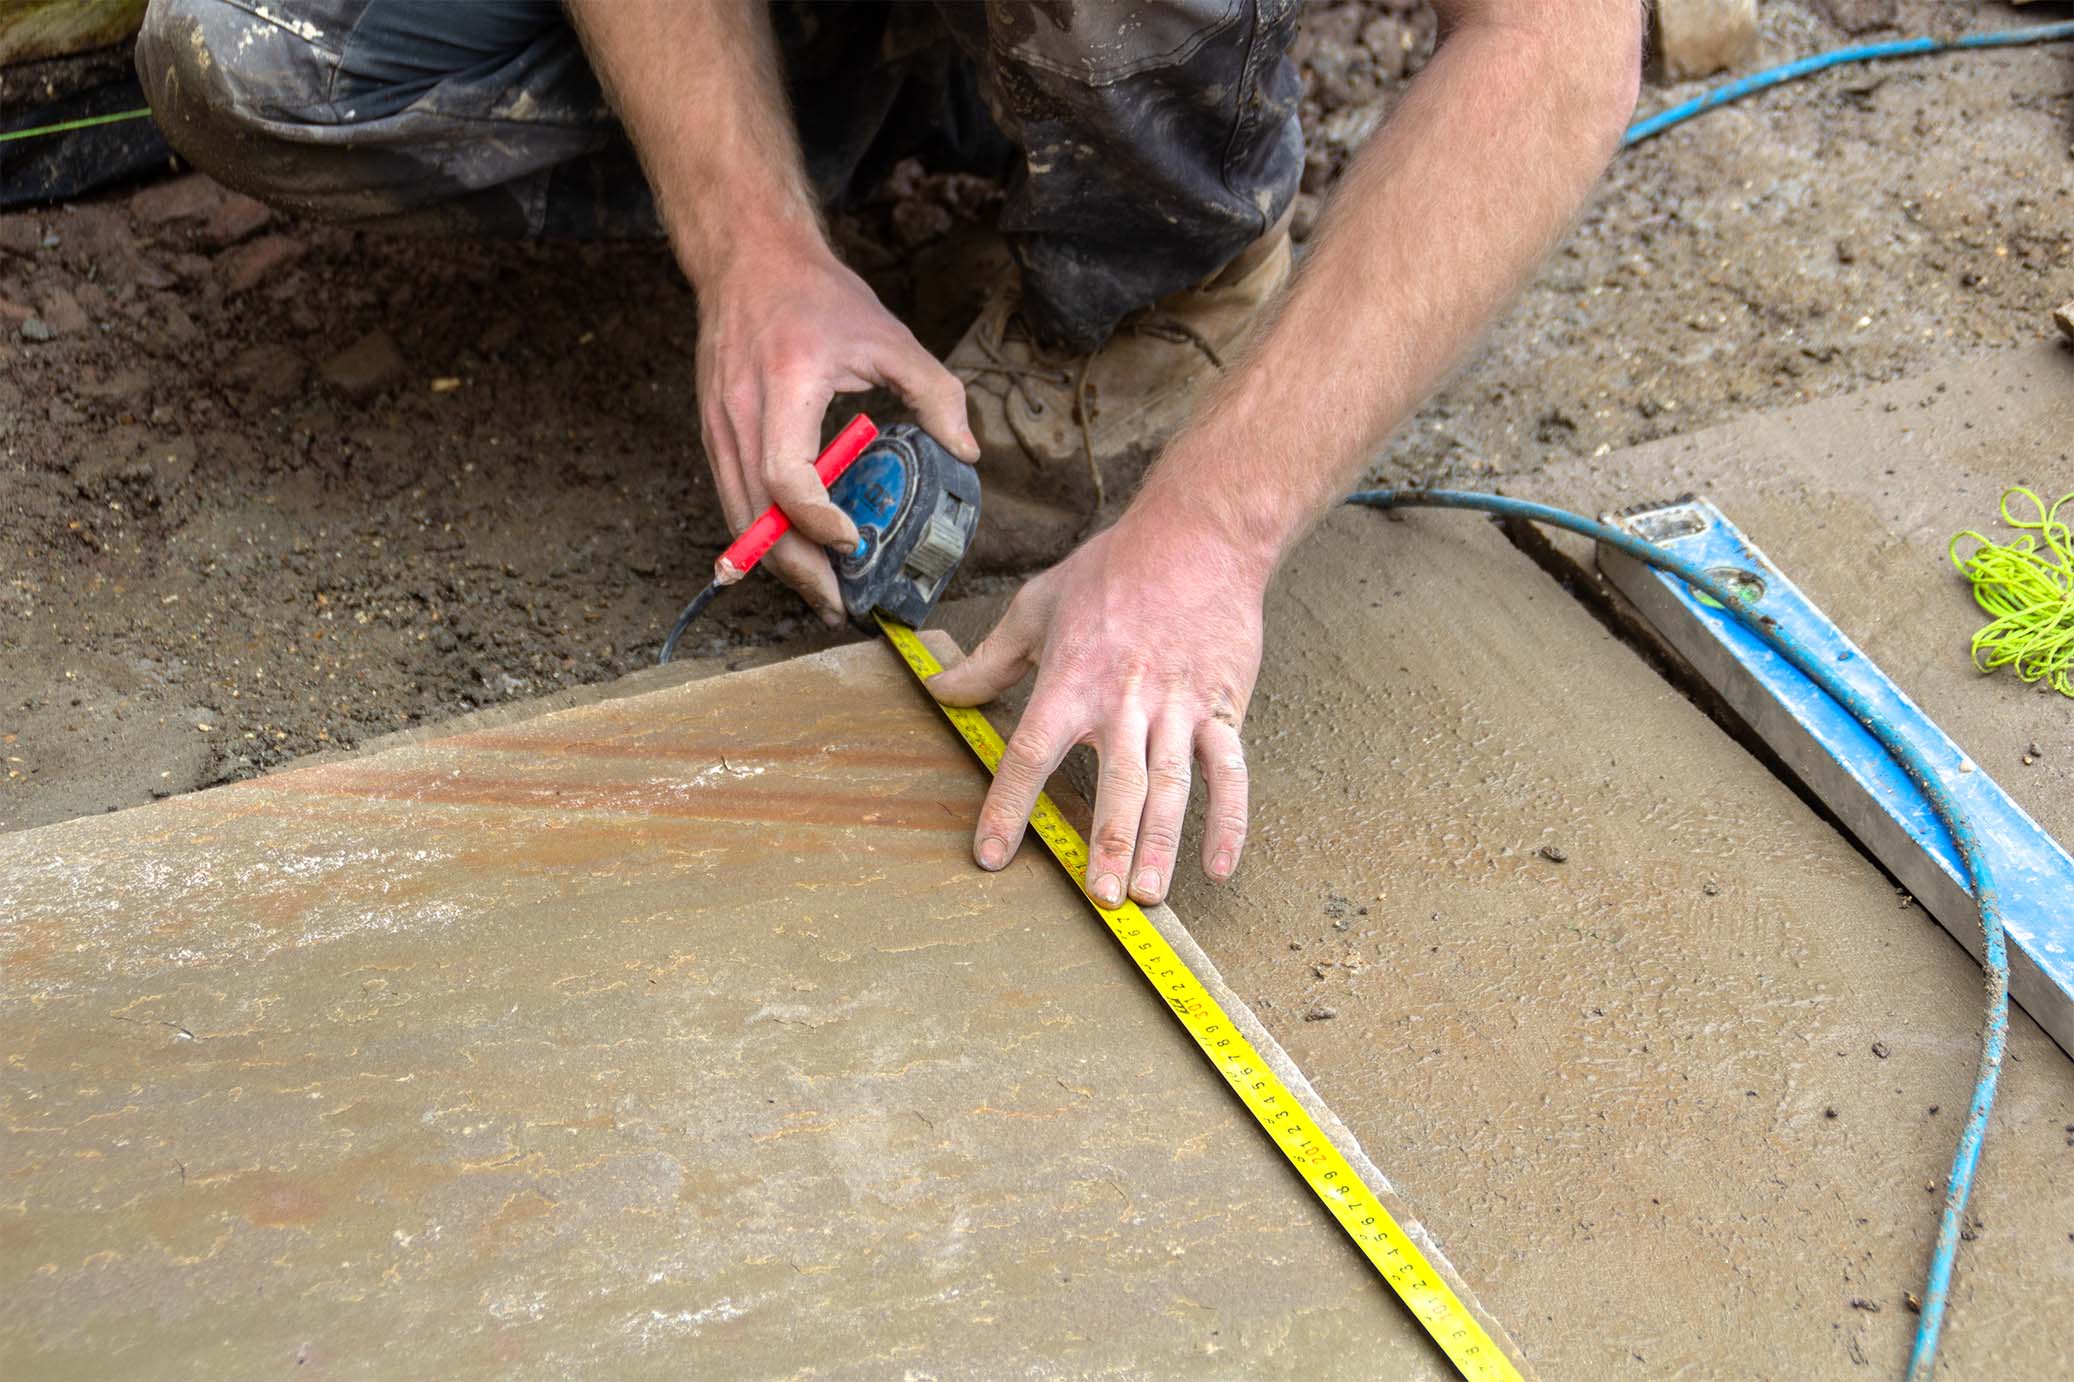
[1143, 144]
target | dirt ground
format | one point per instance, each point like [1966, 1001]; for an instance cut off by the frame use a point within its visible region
[271, 488]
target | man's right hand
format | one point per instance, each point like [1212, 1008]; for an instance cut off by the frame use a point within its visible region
[782, 331]
[783, 326]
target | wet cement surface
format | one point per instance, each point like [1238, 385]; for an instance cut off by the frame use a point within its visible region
[667, 1036]
[1680, 1103]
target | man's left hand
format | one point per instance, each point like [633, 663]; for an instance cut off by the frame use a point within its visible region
[1146, 642]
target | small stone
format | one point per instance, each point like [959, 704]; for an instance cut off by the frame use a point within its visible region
[252, 264]
[36, 329]
[63, 312]
[1857, 16]
[1555, 854]
[269, 371]
[917, 222]
[1321, 1014]
[19, 235]
[1879, 1048]
[1711, 889]
[1700, 37]
[365, 367]
[1870, 1307]
[239, 218]
[180, 199]
[2063, 318]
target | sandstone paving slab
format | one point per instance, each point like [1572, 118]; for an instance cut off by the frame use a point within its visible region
[1857, 498]
[672, 1035]
[1670, 1067]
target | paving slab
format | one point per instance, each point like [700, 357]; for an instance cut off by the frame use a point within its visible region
[1856, 499]
[1672, 1070]
[671, 1035]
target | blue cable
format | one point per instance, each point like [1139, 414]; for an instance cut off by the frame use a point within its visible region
[1870, 52]
[1995, 958]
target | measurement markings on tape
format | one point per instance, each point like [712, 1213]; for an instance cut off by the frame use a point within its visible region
[1357, 1208]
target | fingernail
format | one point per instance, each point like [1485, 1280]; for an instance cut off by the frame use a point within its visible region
[1220, 867]
[1147, 884]
[831, 618]
[1108, 890]
[993, 852]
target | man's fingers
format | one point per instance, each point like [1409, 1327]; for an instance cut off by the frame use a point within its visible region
[1119, 807]
[1034, 752]
[936, 395]
[1223, 761]
[724, 459]
[1166, 803]
[804, 567]
[1001, 660]
[791, 440]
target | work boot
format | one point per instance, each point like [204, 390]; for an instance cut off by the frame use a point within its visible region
[1061, 436]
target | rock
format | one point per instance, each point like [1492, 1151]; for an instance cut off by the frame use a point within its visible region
[239, 218]
[1697, 37]
[364, 367]
[63, 313]
[918, 222]
[251, 264]
[1391, 41]
[20, 235]
[189, 198]
[123, 384]
[268, 370]
[2063, 318]
[1856, 16]
[36, 329]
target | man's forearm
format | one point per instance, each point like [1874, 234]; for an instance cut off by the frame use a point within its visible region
[697, 86]
[1437, 223]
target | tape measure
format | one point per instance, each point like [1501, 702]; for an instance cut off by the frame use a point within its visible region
[1364, 1217]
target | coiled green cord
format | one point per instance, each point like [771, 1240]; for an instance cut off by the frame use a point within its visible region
[2027, 586]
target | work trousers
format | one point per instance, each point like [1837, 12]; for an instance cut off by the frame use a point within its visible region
[1143, 145]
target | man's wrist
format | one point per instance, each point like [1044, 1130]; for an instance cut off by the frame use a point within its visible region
[762, 244]
[1178, 519]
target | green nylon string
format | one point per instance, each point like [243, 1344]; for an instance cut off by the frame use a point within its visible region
[2027, 587]
[75, 124]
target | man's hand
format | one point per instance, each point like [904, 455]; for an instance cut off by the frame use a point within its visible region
[783, 326]
[780, 334]
[1147, 642]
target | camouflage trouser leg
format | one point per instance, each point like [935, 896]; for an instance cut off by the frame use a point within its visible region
[1155, 140]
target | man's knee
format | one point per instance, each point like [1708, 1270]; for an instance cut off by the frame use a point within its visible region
[228, 87]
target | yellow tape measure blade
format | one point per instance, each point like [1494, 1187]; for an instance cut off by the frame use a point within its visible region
[1360, 1213]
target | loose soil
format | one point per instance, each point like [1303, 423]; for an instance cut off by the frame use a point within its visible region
[272, 488]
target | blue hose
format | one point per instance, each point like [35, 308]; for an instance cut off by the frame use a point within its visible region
[1995, 958]
[1802, 67]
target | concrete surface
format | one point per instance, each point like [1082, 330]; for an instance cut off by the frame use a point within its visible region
[1856, 499]
[1680, 1104]
[665, 1036]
